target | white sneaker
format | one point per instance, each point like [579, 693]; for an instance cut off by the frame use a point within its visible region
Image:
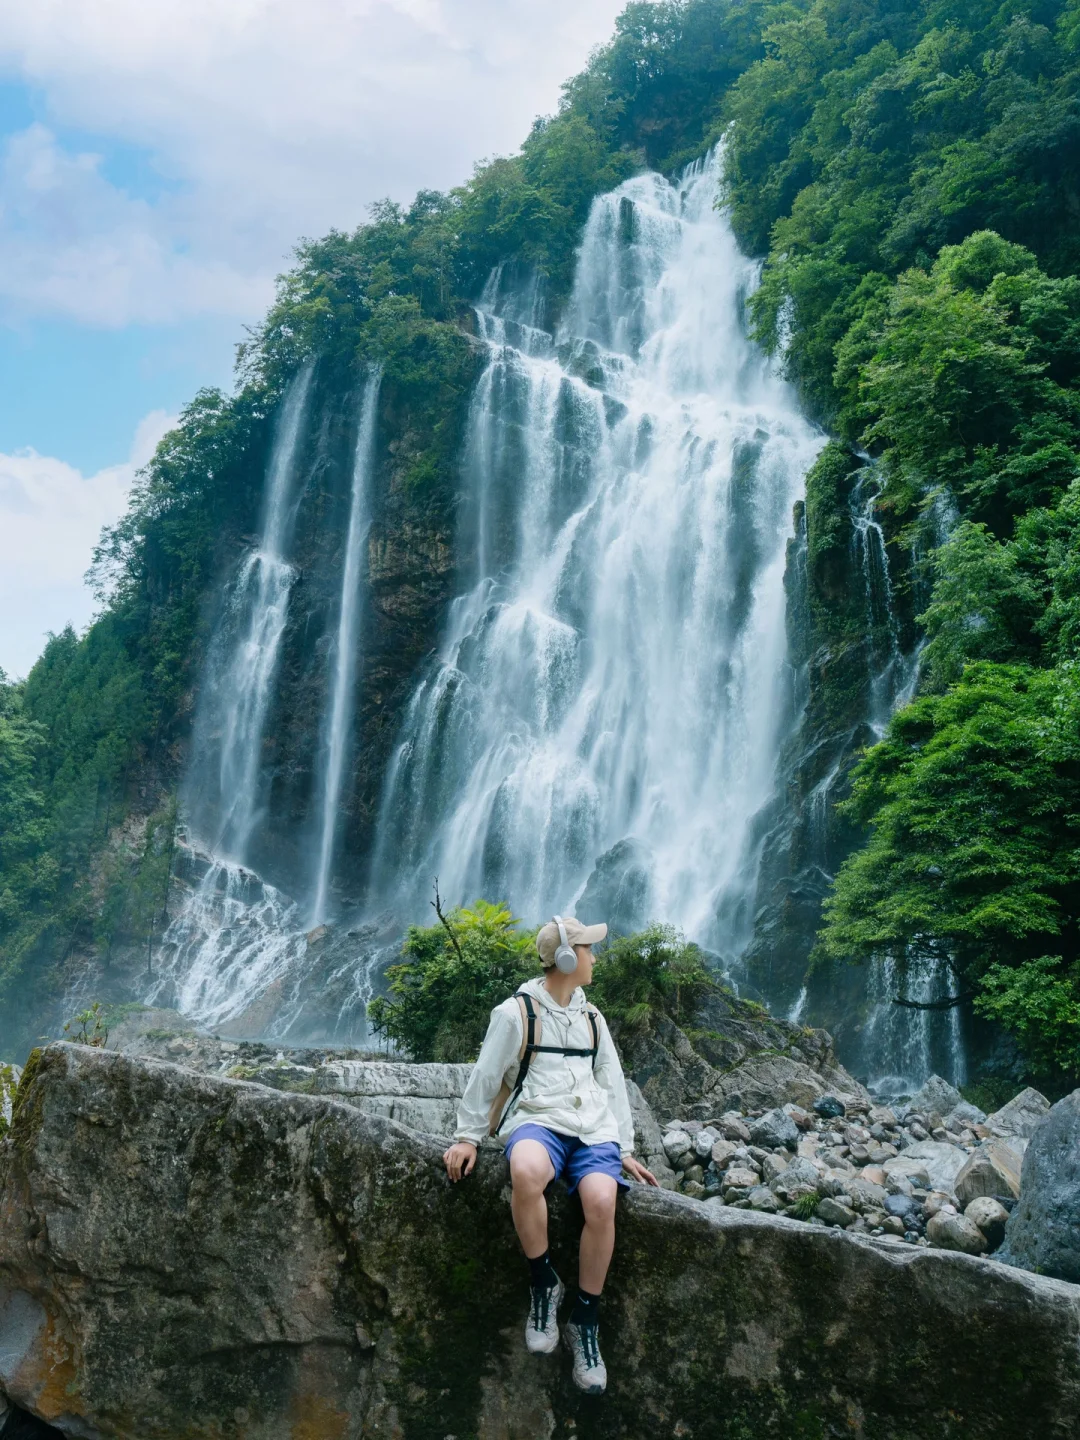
[590, 1372]
[542, 1326]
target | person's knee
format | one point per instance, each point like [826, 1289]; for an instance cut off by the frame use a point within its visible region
[598, 1201]
[529, 1174]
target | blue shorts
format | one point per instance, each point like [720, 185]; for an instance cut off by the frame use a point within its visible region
[570, 1157]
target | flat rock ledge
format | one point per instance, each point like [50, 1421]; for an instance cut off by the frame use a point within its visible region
[187, 1257]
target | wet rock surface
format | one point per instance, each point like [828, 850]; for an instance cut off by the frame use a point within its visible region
[1043, 1231]
[183, 1254]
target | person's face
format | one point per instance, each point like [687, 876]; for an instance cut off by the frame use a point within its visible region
[583, 973]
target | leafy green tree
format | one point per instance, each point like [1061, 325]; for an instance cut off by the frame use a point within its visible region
[972, 804]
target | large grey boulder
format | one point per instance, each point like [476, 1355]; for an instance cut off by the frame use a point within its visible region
[993, 1168]
[183, 1255]
[940, 1161]
[936, 1095]
[1020, 1116]
[1043, 1232]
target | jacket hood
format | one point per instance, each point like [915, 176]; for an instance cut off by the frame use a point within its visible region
[537, 988]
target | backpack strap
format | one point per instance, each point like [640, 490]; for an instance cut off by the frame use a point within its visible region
[530, 1035]
[594, 1022]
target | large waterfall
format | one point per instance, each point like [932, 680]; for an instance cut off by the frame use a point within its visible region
[600, 728]
[614, 680]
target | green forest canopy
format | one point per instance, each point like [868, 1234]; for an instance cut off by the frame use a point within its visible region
[910, 174]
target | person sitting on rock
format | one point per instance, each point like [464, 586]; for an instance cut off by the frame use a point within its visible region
[549, 1081]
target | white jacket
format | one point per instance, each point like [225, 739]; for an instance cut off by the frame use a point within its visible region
[563, 1092]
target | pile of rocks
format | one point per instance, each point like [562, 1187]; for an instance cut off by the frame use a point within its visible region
[932, 1171]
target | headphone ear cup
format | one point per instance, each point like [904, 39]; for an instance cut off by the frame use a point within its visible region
[565, 960]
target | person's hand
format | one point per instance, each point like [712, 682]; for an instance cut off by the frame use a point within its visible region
[637, 1171]
[460, 1159]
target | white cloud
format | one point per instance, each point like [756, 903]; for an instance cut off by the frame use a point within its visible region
[50, 520]
[266, 119]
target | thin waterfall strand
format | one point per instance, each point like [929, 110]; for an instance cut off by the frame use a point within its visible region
[242, 662]
[343, 687]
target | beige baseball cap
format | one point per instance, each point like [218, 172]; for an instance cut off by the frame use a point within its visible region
[547, 942]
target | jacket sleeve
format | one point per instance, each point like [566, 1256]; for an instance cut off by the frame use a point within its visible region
[609, 1073]
[501, 1045]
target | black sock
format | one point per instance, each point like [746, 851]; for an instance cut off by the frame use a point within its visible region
[586, 1309]
[542, 1274]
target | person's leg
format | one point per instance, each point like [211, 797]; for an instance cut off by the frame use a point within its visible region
[531, 1171]
[598, 1193]
[532, 1168]
[595, 1172]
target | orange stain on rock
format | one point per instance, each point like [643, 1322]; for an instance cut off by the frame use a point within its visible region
[317, 1420]
[49, 1371]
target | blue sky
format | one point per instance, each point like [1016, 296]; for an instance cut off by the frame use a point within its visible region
[157, 164]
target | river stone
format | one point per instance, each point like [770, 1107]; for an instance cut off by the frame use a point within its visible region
[899, 1205]
[992, 1169]
[800, 1177]
[742, 1178]
[762, 1198]
[936, 1096]
[829, 1107]
[721, 1153]
[950, 1231]
[774, 1129]
[833, 1212]
[703, 1144]
[676, 1144]
[965, 1115]
[772, 1166]
[935, 1163]
[182, 1254]
[865, 1195]
[990, 1216]
[1043, 1230]
[1020, 1116]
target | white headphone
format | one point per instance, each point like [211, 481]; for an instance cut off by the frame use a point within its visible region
[565, 957]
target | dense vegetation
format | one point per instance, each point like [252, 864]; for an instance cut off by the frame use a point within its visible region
[454, 972]
[911, 174]
[914, 174]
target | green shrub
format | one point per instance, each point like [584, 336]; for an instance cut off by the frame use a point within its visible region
[655, 972]
[452, 977]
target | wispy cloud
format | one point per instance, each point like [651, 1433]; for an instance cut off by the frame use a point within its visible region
[50, 520]
[263, 119]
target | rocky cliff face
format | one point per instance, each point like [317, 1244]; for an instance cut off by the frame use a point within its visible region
[185, 1255]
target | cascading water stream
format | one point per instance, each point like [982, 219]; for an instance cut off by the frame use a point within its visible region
[900, 1044]
[616, 672]
[343, 685]
[223, 790]
[233, 934]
